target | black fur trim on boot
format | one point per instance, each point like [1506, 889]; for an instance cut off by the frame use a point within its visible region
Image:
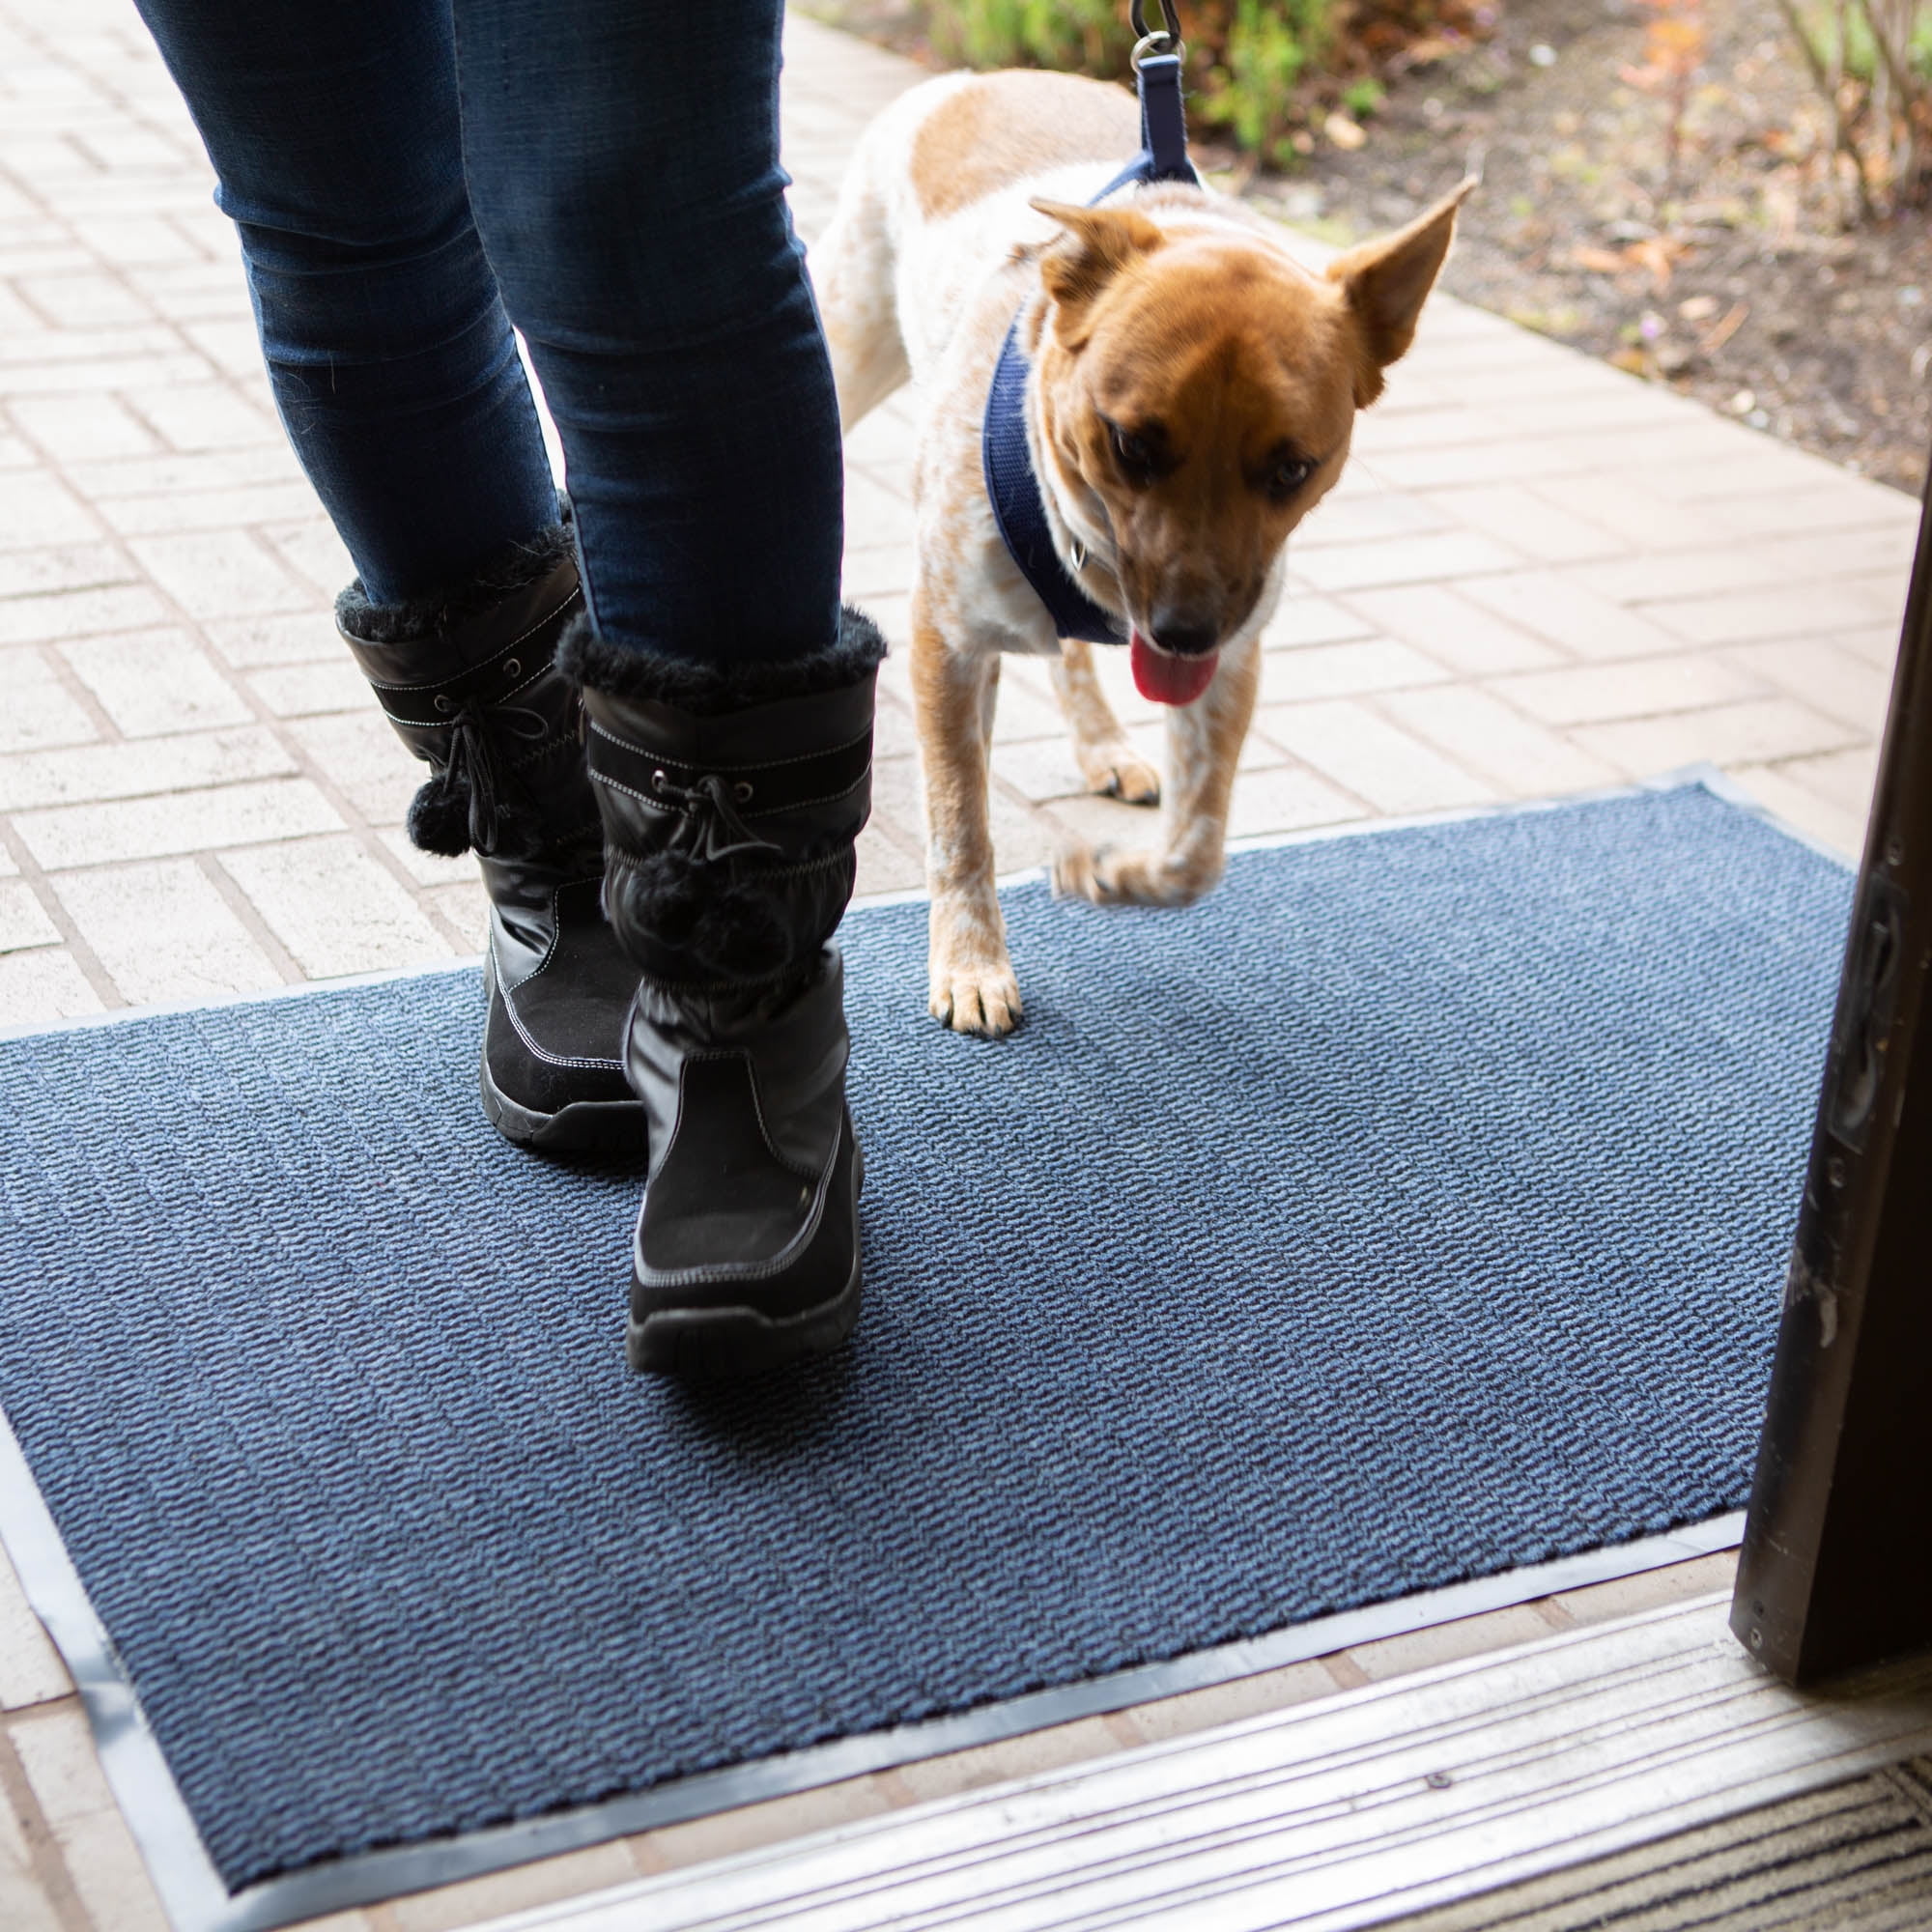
[513, 568]
[710, 689]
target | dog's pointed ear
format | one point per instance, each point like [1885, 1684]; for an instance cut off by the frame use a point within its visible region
[1098, 243]
[1386, 282]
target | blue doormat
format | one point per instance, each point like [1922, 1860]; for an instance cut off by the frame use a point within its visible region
[1413, 1208]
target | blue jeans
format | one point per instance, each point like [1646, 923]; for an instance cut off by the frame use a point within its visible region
[412, 176]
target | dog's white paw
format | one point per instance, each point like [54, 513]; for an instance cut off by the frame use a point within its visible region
[1118, 771]
[982, 999]
[1107, 876]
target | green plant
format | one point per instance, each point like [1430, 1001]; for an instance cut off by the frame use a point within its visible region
[1089, 36]
[1362, 97]
[1251, 89]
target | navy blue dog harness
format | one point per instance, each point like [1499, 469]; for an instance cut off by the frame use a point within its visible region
[1011, 486]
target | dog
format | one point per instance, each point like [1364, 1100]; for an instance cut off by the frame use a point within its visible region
[1190, 396]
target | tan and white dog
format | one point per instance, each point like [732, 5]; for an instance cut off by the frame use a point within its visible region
[1192, 397]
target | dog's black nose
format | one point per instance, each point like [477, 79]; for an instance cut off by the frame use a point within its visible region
[1184, 637]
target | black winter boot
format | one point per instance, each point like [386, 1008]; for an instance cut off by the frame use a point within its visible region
[732, 798]
[471, 684]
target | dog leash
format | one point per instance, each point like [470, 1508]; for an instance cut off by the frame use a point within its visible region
[1011, 487]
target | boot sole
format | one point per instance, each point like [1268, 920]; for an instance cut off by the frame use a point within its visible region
[711, 1344]
[584, 1126]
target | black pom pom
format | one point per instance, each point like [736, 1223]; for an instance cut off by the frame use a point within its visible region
[439, 818]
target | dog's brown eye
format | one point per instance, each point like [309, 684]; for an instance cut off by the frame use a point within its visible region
[1289, 476]
[1134, 453]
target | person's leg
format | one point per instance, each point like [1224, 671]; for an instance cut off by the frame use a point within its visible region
[622, 159]
[335, 132]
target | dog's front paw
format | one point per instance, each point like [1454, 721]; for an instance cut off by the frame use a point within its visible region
[1118, 771]
[1106, 876]
[982, 997]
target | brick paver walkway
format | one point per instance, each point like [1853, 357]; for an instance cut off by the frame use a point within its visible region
[1537, 576]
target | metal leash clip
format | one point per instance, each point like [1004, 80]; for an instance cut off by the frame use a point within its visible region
[1162, 40]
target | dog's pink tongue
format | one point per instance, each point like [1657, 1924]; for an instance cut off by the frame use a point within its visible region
[1169, 680]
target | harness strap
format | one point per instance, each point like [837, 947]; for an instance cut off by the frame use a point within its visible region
[1013, 490]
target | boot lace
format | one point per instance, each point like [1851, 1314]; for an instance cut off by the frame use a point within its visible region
[708, 826]
[475, 764]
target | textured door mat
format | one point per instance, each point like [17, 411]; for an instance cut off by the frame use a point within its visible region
[1412, 1209]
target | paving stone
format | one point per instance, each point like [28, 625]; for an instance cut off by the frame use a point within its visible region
[260, 465]
[1843, 502]
[138, 769]
[880, 570]
[335, 909]
[156, 682]
[1830, 680]
[1749, 566]
[171, 511]
[1228, 1703]
[31, 1671]
[1639, 688]
[1444, 1643]
[64, 567]
[183, 821]
[1874, 644]
[24, 920]
[1840, 829]
[465, 913]
[1077, 1743]
[86, 426]
[1518, 516]
[1845, 779]
[430, 868]
[1286, 798]
[43, 985]
[1040, 768]
[1620, 503]
[36, 509]
[1649, 1589]
[1791, 610]
[885, 865]
[1418, 559]
[1344, 670]
[1755, 732]
[1302, 617]
[1346, 517]
[1490, 737]
[221, 574]
[201, 416]
[309, 690]
[79, 614]
[305, 636]
[362, 755]
[83, 300]
[57, 1753]
[38, 710]
[311, 548]
[1376, 759]
[164, 933]
[101, 1857]
[1566, 614]
[520, 1888]
[1439, 619]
